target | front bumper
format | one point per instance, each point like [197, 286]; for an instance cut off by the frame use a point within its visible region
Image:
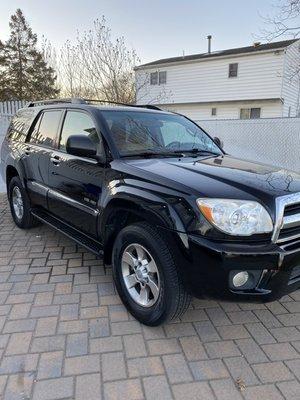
[211, 267]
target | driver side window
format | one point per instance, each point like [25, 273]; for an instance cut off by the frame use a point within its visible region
[79, 123]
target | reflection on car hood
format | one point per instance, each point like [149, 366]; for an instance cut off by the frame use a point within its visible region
[223, 176]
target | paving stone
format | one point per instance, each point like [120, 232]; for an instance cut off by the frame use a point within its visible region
[134, 346]
[263, 392]
[106, 344]
[294, 366]
[208, 369]
[251, 351]
[193, 391]
[69, 312]
[163, 346]
[286, 334]
[19, 311]
[290, 390]
[260, 333]
[77, 344]
[50, 365]
[113, 366]
[179, 329]
[73, 326]
[225, 348]
[21, 325]
[226, 390]
[233, 332]
[19, 343]
[193, 348]
[280, 351]
[157, 388]
[117, 313]
[18, 386]
[272, 372]
[82, 365]
[240, 369]
[46, 326]
[218, 317]
[48, 343]
[120, 390]
[99, 327]
[177, 368]
[44, 311]
[145, 366]
[206, 331]
[125, 328]
[18, 363]
[88, 387]
[50, 389]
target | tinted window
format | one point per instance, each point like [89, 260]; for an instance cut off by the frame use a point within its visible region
[153, 78]
[20, 125]
[233, 70]
[78, 123]
[45, 132]
[137, 132]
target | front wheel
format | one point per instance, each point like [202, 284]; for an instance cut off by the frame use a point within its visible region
[146, 275]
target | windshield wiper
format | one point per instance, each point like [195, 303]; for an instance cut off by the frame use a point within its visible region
[155, 154]
[198, 151]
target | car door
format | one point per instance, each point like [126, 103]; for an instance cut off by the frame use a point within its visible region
[76, 182]
[40, 143]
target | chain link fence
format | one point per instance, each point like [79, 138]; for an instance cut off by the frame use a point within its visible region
[274, 141]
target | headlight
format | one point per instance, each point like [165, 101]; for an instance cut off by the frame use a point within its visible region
[236, 217]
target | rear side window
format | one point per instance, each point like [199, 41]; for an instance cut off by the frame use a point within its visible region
[20, 125]
[45, 131]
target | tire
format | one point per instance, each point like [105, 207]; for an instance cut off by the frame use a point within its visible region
[156, 306]
[24, 219]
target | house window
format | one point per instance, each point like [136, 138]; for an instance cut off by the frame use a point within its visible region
[233, 70]
[153, 78]
[213, 111]
[158, 78]
[250, 113]
[162, 77]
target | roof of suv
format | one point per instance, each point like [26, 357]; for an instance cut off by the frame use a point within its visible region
[102, 105]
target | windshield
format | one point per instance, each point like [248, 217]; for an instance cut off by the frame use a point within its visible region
[137, 132]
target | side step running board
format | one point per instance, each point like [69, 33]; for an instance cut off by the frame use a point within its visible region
[79, 237]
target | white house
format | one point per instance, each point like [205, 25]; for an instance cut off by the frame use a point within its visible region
[258, 81]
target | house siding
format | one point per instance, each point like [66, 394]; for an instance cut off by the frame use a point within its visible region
[259, 77]
[291, 80]
[269, 109]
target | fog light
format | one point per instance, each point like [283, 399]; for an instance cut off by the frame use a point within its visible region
[240, 279]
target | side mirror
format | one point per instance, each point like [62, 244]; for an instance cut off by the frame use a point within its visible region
[219, 142]
[82, 146]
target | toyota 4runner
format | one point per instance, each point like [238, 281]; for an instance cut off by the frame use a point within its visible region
[158, 199]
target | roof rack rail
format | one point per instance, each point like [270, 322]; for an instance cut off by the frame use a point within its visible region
[77, 100]
[55, 101]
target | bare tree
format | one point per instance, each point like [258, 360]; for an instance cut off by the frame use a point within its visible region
[284, 22]
[97, 66]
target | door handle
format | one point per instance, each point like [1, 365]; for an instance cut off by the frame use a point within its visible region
[55, 160]
[27, 151]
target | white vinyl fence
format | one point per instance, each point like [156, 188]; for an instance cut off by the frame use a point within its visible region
[7, 111]
[274, 141]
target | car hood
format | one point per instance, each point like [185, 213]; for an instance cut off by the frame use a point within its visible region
[219, 177]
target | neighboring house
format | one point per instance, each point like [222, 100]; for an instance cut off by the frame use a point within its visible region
[258, 81]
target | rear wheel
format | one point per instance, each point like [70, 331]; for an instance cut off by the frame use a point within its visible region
[146, 275]
[20, 204]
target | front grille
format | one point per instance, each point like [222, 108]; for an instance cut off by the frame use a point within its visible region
[292, 209]
[287, 225]
[287, 234]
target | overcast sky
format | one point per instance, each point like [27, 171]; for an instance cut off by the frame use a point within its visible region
[156, 29]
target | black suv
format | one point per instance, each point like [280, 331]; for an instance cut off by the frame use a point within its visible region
[158, 198]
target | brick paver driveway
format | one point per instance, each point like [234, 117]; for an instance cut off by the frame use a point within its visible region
[65, 334]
